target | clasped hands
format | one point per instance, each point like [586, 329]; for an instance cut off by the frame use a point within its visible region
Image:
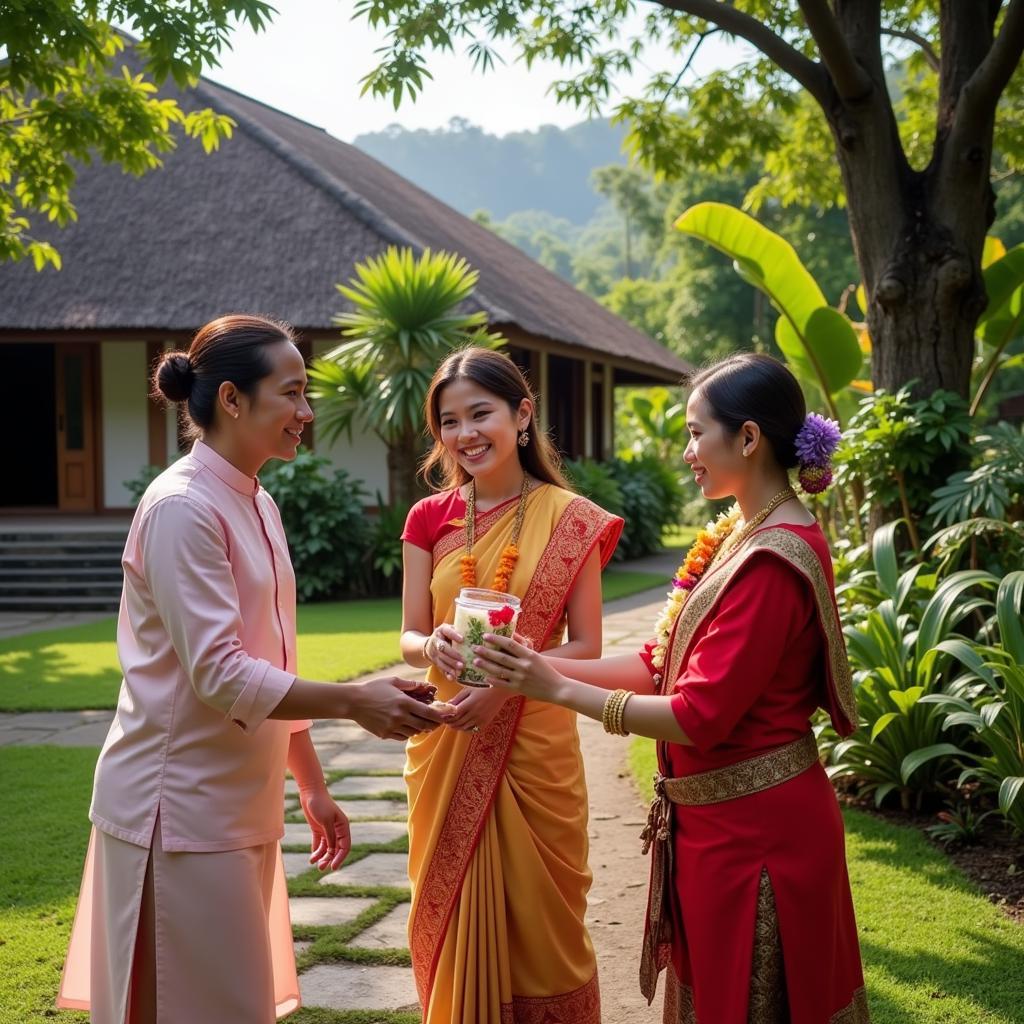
[510, 664]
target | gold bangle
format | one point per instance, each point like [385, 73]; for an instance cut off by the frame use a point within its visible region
[426, 644]
[623, 731]
[612, 712]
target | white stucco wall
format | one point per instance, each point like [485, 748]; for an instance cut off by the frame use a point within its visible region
[125, 433]
[365, 457]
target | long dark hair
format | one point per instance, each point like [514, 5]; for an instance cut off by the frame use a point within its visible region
[231, 348]
[497, 374]
[751, 386]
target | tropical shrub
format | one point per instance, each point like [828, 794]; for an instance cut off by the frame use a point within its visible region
[892, 446]
[594, 480]
[384, 551]
[992, 487]
[324, 520]
[644, 491]
[898, 655]
[987, 703]
[136, 487]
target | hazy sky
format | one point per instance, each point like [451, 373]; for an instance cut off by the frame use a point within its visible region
[311, 58]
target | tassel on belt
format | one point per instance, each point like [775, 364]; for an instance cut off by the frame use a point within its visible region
[729, 783]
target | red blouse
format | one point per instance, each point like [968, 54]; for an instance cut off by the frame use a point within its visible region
[433, 517]
[756, 670]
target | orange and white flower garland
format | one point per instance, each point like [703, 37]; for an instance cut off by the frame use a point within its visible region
[701, 554]
[509, 553]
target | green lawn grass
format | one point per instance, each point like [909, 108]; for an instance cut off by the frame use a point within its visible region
[77, 668]
[679, 536]
[44, 800]
[935, 950]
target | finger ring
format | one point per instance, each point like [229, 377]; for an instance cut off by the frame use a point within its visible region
[474, 728]
[441, 645]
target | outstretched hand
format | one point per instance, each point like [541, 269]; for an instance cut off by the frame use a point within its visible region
[513, 666]
[395, 709]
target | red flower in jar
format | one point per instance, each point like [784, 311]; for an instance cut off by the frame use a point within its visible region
[501, 616]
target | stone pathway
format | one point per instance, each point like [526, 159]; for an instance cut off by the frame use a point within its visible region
[350, 925]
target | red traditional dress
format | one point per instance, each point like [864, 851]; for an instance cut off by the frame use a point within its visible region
[750, 898]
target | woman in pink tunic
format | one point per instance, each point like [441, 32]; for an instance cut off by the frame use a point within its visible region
[183, 913]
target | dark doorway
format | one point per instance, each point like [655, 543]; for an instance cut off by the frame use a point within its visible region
[28, 397]
[565, 404]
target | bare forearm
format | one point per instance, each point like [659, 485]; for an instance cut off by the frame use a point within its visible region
[644, 715]
[303, 762]
[623, 672]
[308, 699]
[411, 646]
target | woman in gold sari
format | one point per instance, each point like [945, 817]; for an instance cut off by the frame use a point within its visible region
[497, 801]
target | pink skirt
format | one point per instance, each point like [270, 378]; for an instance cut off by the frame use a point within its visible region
[215, 926]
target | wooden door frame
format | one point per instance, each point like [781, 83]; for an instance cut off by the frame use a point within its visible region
[91, 430]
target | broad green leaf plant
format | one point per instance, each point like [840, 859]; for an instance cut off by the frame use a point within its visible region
[818, 342]
[901, 622]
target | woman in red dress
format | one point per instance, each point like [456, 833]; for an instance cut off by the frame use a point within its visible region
[750, 900]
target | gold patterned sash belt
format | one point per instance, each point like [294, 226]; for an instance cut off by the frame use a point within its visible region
[745, 777]
[753, 775]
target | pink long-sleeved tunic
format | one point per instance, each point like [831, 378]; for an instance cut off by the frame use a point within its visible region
[206, 639]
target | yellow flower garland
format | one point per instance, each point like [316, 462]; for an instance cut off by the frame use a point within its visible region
[701, 554]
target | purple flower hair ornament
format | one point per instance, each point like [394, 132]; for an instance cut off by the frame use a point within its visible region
[815, 444]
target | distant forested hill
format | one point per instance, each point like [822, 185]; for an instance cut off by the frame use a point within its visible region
[548, 169]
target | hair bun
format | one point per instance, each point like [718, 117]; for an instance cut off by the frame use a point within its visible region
[175, 377]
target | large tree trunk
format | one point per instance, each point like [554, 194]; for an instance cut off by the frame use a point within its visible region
[918, 234]
[403, 461]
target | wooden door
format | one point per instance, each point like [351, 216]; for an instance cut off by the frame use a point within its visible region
[76, 433]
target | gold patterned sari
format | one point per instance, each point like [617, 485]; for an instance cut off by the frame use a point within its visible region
[498, 819]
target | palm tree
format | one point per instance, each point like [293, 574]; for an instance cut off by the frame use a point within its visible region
[405, 321]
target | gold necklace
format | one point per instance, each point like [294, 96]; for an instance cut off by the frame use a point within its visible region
[736, 539]
[510, 553]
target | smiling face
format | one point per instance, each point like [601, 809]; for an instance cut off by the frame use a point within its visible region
[272, 419]
[716, 458]
[479, 429]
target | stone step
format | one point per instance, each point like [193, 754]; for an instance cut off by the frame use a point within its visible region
[13, 573]
[87, 585]
[58, 602]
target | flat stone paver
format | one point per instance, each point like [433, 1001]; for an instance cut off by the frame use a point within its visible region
[390, 932]
[362, 832]
[368, 760]
[375, 869]
[327, 910]
[55, 728]
[295, 864]
[367, 785]
[345, 986]
[339, 732]
[369, 809]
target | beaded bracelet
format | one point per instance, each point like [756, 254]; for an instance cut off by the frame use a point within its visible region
[613, 712]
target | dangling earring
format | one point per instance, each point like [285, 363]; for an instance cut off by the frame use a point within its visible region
[524, 438]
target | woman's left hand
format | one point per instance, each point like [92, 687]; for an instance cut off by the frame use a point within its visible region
[477, 707]
[332, 838]
[511, 666]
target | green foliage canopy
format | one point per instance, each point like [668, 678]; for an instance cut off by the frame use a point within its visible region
[729, 118]
[66, 95]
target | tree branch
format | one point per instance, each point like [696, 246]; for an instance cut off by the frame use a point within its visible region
[923, 44]
[686, 66]
[852, 82]
[982, 90]
[806, 72]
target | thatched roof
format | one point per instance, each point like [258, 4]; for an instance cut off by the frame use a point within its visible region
[271, 223]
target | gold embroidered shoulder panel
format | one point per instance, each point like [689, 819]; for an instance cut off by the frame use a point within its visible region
[801, 556]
